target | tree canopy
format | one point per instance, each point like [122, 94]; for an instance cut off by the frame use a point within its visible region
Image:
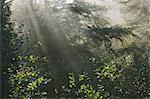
[56, 49]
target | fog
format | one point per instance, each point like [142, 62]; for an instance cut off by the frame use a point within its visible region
[84, 48]
[113, 8]
[50, 22]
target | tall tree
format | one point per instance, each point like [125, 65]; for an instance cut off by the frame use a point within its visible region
[7, 48]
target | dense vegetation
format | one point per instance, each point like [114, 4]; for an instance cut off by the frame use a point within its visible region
[85, 57]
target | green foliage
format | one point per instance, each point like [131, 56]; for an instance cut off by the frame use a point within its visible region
[71, 80]
[83, 88]
[26, 78]
[118, 73]
[89, 14]
[127, 73]
[135, 80]
[106, 34]
[122, 76]
[8, 51]
[79, 9]
[22, 76]
[95, 29]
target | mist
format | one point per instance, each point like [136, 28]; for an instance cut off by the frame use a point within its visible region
[90, 49]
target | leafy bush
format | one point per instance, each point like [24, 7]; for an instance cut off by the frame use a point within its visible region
[26, 79]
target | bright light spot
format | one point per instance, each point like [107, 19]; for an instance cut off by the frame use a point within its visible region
[69, 1]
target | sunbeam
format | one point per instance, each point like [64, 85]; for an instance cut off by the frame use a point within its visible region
[72, 49]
